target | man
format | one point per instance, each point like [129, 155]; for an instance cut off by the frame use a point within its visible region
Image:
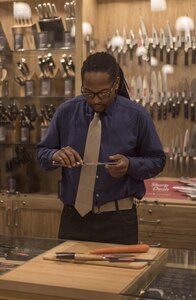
[128, 138]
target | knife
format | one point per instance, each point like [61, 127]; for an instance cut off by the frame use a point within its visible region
[155, 40]
[193, 100]
[194, 46]
[153, 92]
[169, 43]
[132, 43]
[145, 91]
[165, 95]
[193, 148]
[133, 88]
[146, 40]
[160, 93]
[139, 89]
[176, 152]
[185, 96]
[162, 43]
[81, 257]
[186, 150]
[59, 164]
[187, 46]
[177, 46]
[185, 189]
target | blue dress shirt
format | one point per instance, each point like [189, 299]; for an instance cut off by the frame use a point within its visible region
[127, 129]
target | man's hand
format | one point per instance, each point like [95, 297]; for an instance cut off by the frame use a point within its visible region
[67, 157]
[120, 169]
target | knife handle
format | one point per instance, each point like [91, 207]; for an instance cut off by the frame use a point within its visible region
[131, 53]
[178, 107]
[170, 104]
[154, 51]
[192, 112]
[175, 58]
[165, 111]
[161, 54]
[159, 111]
[140, 60]
[168, 56]
[193, 56]
[186, 58]
[173, 110]
[152, 111]
[186, 109]
[85, 257]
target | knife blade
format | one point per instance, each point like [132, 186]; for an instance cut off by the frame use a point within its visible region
[153, 92]
[59, 164]
[145, 91]
[186, 150]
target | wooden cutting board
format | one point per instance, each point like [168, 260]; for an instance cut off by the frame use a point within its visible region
[44, 279]
[86, 247]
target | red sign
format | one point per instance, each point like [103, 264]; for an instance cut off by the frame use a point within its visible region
[157, 188]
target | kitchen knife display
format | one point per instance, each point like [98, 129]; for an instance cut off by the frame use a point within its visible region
[49, 20]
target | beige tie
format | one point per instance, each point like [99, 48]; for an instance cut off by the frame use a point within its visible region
[84, 197]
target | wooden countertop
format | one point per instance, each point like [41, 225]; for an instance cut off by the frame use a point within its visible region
[47, 279]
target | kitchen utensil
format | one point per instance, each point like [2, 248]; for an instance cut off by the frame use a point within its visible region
[57, 163]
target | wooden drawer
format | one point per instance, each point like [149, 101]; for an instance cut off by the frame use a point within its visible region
[167, 219]
[167, 239]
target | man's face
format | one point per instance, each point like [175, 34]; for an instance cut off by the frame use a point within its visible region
[98, 90]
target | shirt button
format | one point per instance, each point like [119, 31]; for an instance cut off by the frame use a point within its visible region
[97, 177]
[97, 195]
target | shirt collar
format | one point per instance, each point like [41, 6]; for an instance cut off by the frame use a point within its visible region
[89, 111]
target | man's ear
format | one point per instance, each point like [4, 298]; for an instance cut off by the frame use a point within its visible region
[117, 82]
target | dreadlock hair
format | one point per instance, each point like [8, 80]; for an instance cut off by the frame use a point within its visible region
[105, 62]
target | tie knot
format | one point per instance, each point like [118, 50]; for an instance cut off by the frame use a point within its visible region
[96, 115]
